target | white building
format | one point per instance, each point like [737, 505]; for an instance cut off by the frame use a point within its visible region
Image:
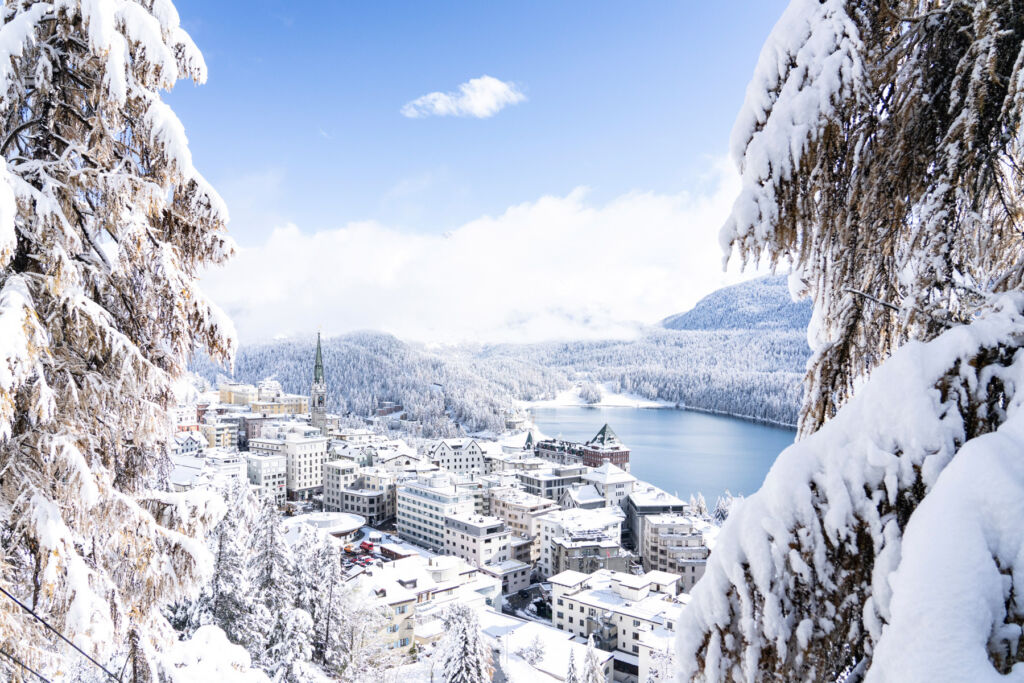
[338, 476]
[425, 503]
[521, 512]
[674, 543]
[417, 590]
[648, 500]
[188, 443]
[460, 456]
[513, 574]
[549, 481]
[615, 608]
[594, 524]
[213, 468]
[477, 539]
[268, 473]
[305, 450]
[185, 417]
[372, 493]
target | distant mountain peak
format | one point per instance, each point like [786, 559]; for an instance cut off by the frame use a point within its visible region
[761, 303]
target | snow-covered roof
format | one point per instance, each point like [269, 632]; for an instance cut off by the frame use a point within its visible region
[578, 519]
[609, 474]
[568, 578]
[584, 495]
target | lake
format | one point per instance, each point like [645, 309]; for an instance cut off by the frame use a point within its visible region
[680, 451]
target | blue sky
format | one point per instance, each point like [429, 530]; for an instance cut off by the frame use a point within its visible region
[300, 123]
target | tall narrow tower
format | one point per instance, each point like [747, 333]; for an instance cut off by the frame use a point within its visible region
[318, 393]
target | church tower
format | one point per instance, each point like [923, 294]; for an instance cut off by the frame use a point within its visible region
[318, 393]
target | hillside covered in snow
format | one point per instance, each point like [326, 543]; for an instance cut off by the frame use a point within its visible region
[763, 303]
[740, 351]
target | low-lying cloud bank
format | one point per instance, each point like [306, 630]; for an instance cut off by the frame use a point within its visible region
[554, 268]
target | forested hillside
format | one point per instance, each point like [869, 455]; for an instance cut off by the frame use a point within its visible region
[762, 304]
[748, 373]
[752, 369]
[365, 367]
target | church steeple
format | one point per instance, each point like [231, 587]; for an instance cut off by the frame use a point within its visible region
[318, 392]
[318, 365]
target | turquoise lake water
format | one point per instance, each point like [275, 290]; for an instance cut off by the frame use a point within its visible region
[678, 450]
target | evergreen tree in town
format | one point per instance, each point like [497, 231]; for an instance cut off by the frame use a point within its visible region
[571, 675]
[230, 589]
[698, 506]
[723, 505]
[465, 656]
[271, 573]
[289, 646]
[593, 672]
[880, 151]
[104, 225]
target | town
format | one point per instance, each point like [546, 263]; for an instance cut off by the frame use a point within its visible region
[549, 541]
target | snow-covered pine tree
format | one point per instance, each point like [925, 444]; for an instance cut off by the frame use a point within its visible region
[722, 507]
[464, 656]
[104, 223]
[700, 506]
[593, 672]
[312, 557]
[571, 675]
[533, 652]
[289, 646]
[880, 156]
[230, 590]
[271, 572]
[880, 149]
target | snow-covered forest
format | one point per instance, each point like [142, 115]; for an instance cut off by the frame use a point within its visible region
[439, 391]
[880, 153]
[740, 351]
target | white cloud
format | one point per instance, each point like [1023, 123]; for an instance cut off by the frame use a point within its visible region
[554, 268]
[478, 97]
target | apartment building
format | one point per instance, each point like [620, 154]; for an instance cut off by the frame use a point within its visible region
[417, 590]
[219, 433]
[370, 491]
[674, 543]
[423, 505]
[338, 476]
[615, 608]
[521, 512]
[268, 473]
[591, 526]
[236, 393]
[459, 456]
[551, 482]
[647, 500]
[513, 574]
[477, 539]
[305, 451]
[587, 553]
[189, 443]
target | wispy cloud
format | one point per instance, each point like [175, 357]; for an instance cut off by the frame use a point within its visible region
[556, 267]
[478, 97]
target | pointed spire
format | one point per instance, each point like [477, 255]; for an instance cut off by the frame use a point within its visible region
[318, 366]
[605, 437]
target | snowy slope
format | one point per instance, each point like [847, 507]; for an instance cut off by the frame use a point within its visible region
[763, 303]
